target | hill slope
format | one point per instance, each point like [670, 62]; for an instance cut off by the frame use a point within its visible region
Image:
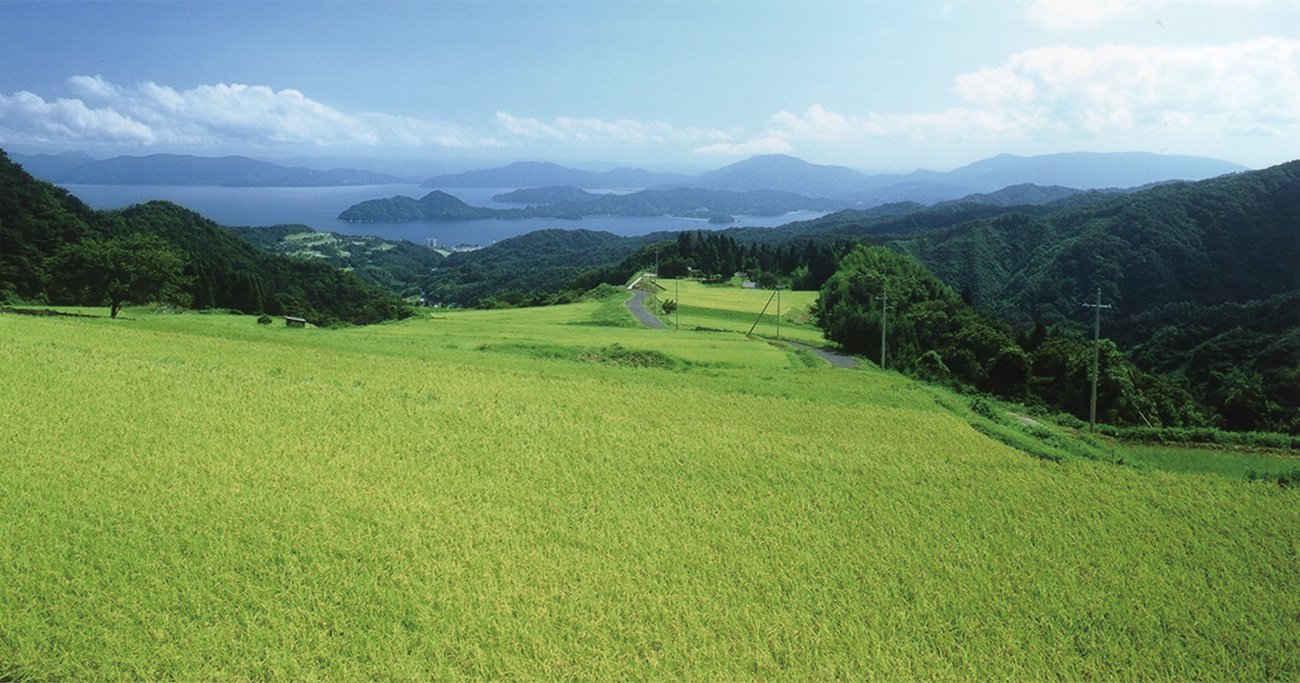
[530, 494]
[37, 220]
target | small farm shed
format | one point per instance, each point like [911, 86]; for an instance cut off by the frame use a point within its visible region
[290, 321]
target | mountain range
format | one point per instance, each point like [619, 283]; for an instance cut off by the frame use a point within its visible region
[181, 169]
[846, 186]
[541, 174]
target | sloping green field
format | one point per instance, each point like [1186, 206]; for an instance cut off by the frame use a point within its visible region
[542, 493]
[730, 307]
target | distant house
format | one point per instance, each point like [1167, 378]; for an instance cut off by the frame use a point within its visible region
[749, 284]
[290, 321]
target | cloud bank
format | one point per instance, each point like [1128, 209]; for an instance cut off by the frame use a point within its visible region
[1204, 99]
[1250, 88]
[208, 116]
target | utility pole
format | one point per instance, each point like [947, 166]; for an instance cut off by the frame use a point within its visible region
[677, 298]
[775, 295]
[778, 312]
[1096, 356]
[884, 301]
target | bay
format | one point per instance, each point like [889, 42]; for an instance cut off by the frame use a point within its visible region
[319, 207]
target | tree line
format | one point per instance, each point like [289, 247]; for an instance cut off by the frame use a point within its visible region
[54, 249]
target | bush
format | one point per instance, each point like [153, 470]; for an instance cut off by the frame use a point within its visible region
[264, 319]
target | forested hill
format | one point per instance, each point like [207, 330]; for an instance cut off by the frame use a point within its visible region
[1203, 279]
[1229, 239]
[42, 226]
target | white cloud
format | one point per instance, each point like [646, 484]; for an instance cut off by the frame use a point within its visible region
[1075, 95]
[208, 116]
[1228, 88]
[27, 116]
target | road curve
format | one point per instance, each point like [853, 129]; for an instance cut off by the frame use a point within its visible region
[838, 360]
[637, 305]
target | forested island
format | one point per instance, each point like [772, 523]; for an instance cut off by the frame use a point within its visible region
[573, 204]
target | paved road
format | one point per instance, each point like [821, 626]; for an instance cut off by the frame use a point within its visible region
[637, 305]
[839, 360]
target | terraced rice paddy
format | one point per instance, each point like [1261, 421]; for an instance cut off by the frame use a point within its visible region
[547, 494]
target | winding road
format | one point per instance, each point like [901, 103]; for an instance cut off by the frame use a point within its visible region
[637, 305]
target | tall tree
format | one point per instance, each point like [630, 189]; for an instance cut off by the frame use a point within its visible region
[131, 269]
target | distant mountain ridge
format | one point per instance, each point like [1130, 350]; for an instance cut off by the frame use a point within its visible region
[848, 187]
[786, 173]
[183, 169]
[544, 174]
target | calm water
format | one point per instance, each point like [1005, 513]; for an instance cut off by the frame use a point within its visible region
[319, 207]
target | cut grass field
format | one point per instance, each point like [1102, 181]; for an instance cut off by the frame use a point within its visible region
[543, 493]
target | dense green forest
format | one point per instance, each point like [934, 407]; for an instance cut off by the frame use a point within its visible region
[555, 266]
[537, 268]
[935, 333]
[50, 242]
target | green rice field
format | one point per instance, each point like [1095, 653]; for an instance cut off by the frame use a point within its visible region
[555, 493]
[730, 307]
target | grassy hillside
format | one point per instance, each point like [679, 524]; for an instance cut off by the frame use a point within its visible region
[731, 307]
[542, 493]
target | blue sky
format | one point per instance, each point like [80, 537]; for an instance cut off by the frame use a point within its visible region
[875, 85]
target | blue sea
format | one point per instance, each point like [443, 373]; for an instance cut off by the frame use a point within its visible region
[319, 207]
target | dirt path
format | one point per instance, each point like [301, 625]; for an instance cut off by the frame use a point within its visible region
[838, 360]
[637, 305]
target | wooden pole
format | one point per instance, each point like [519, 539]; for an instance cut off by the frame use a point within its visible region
[1096, 358]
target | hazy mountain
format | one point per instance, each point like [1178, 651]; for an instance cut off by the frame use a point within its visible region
[785, 173]
[44, 166]
[543, 174]
[1083, 170]
[539, 196]
[1089, 170]
[179, 169]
